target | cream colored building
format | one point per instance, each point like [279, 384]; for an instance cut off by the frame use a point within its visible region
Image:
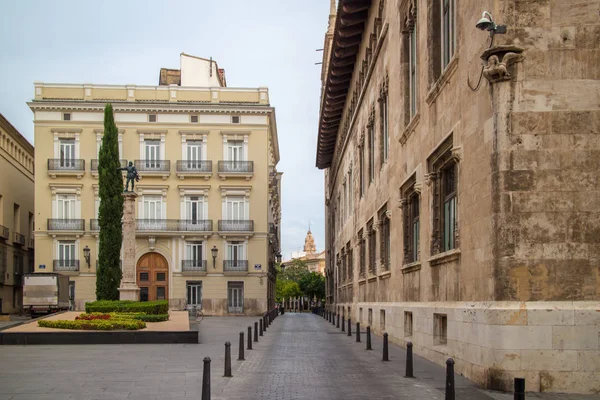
[16, 215]
[207, 156]
[466, 220]
[315, 261]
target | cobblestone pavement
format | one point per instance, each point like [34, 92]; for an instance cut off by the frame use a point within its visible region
[301, 356]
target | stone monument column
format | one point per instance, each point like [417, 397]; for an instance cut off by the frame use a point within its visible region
[129, 289]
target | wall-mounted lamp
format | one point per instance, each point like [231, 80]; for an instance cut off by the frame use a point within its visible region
[214, 252]
[486, 23]
[86, 255]
[278, 257]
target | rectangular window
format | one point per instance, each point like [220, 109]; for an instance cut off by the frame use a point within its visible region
[161, 276]
[362, 249]
[152, 150]
[370, 317]
[235, 208]
[448, 31]
[235, 150]
[143, 276]
[371, 130]
[440, 329]
[411, 225]
[67, 153]
[194, 119]
[160, 293]
[235, 119]
[235, 297]
[193, 153]
[152, 118]
[152, 207]
[351, 191]
[193, 253]
[194, 209]
[350, 261]
[382, 320]
[361, 156]
[385, 139]
[408, 323]
[384, 240]
[235, 252]
[344, 201]
[412, 67]
[194, 293]
[449, 208]
[372, 240]
[143, 294]
[66, 206]
[66, 116]
[66, 251]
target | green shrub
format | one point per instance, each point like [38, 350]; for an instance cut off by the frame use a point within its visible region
[124, 316]
[94, 325]
[152, 317]
[127, 306]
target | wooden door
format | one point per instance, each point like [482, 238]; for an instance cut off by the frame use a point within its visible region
[152, 277]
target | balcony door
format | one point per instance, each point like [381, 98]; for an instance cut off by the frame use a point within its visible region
[194, 212]
[152, 154]
[67, 153]
[152, 277]
[193, 254]
[66, 255]
[194, 155]
[153, 213]
[235, 253]
[66, 207]
[235, 297]
[235, 209]
[235, 150]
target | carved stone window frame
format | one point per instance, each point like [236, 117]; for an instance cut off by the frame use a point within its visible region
[362, 243]
[384, 215]
[410, 192]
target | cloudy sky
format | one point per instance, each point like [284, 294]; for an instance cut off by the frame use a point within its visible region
[258, 42]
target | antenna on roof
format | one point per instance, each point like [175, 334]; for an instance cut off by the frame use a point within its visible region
[210, 66]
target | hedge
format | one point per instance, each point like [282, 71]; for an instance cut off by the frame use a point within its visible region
[130, 316]
[94, 325]
[124, 306]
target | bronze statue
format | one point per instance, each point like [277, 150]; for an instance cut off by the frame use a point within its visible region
[131, 175]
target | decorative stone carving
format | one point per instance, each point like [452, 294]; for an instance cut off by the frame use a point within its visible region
[457, 153]
[152, 243]
[429, 178]
[499, 60]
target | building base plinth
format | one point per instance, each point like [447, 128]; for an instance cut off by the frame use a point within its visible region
[129, 292]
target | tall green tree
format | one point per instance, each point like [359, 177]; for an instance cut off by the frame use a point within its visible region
[110, 183]
[313, 285]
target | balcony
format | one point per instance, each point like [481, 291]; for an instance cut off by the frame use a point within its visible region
[236, 226]
[66, 265]
[194, 168]
[168, 226]
[154, 167]
[66, 225]
[94, 166]
[193, 266]
[4, 232]
[236, 169]
[94, 225]
[19, 239]
[31, 242]
[235, 266]
[66, 167]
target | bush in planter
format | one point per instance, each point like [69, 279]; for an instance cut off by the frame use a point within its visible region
[127, 306]
[94, 325]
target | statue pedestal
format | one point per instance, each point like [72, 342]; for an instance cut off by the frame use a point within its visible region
[129, 289]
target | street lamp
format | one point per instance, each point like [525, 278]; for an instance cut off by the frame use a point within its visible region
[278, 257]
[86, 255]
[214, 252]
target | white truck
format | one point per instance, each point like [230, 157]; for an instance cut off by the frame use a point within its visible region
[45, 293]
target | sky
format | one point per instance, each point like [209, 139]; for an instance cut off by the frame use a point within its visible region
[258, 43]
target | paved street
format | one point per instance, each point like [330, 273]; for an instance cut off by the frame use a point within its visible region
[301, 356]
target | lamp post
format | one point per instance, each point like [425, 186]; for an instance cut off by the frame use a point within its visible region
[86, 255]
[214, 252]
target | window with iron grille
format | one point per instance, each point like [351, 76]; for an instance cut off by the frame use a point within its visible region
[411, 221]
[372, 241]
[384, 239]
[384, 140]
[350, 262]
[362, 255]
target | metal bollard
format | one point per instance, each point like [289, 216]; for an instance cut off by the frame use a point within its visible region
[519, 389]
[260, 332]
[206, 379]
[264, 323]
[338, 321]
[358, 332]
[249, 347]
[368, 338]
[450, 379]
[409, 360]
[333, 320]
[349, 327]
[241, 349]
[386, 356]
[227, 360]
[343, 324]
[256, 331]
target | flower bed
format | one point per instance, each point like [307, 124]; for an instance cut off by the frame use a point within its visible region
[94, 324]
[135, 316]
[127, 306]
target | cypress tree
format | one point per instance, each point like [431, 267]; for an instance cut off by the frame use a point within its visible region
[110, 182]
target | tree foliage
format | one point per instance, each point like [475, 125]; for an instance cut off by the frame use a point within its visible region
[313, 285]
[296, 280]
[110, 214]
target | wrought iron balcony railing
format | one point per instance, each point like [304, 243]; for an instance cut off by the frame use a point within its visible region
[66, 164]
[19, 239]
[236, 167]
[153, 165]
[94, 225]
[176, 225]
[66, 224]
[236, 226]
[66, 265]
[191, 166]
[193, 265]
[4, 232]
[235, 265]
[94, 164]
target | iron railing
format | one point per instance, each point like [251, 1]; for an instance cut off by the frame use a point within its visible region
[193, 265]
[4, 232]
[66, 265]
[176, 225]
[194, 166]
[236, 226]
[94, 164]
[19, 239]
[235, 310]
[235, 265]
[153, 165]
[66, 164]
[236, 166]
[94, 225]
[66, 224]
[31, 242]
